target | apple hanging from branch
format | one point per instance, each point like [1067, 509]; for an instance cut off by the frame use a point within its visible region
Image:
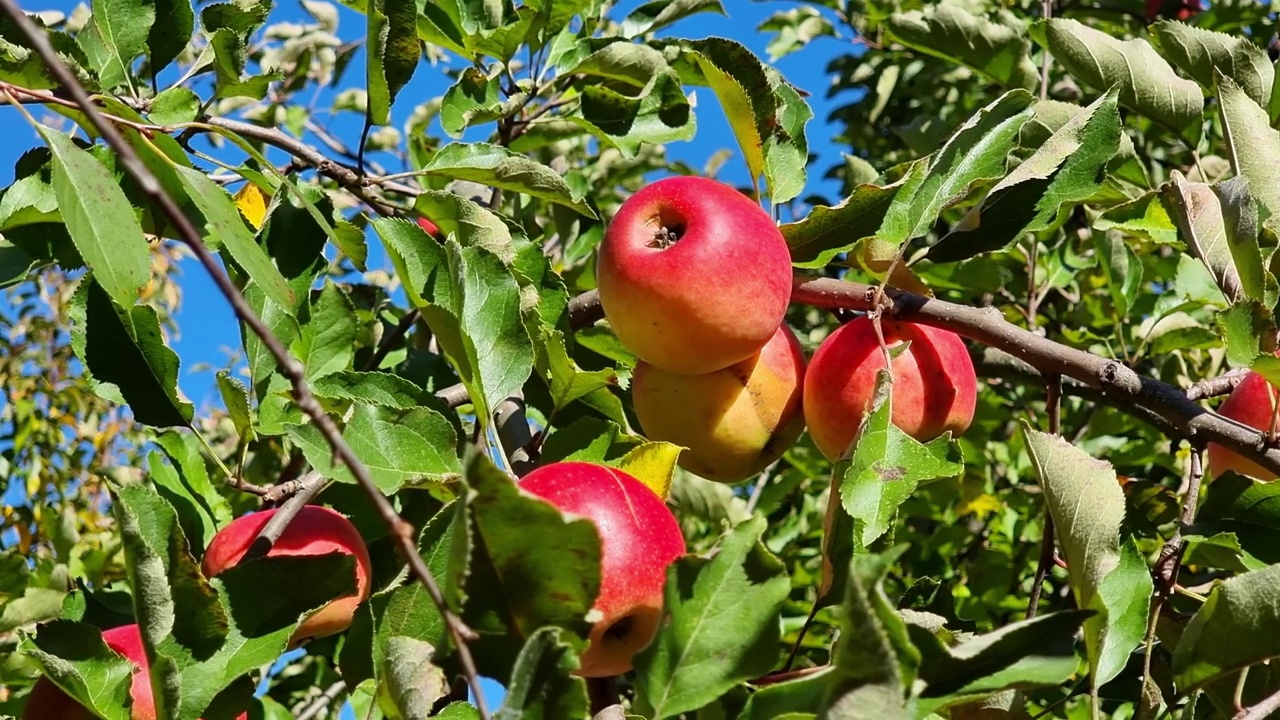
[639, 538]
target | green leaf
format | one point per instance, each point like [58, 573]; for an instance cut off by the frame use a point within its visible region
[176, 607]
[524, 566]
[169, 35]
[886, 466]
[565, 380]
[874, 659]
[400, 447]
[472, 303]
[127, 359]
[74, 656]
[657, 14]
[1063, 172]
[326, 344]
[1146, 83]
[1232, 630]
[235, 396]
[1250, 141]
[541, 685]
[1248, 509]
[229, 55]
[723, 625]
[1203, 53]
[801, 697]
[1122, 268]
[1202, 214]
[472, 223]
[795, 29]
[829, 231]
[117, 33]
[175, 105]
[186, 486]
[224, 226]
[978, 151]
[375, 388]
[413, 683]
[767, 115]
[476, 98]
[101, 222]
[1145, 217]
[392, 52]
[658, 113]
[264, 598]
[998, 49]
[1088, 506]
[1243, 325]
[1039, 651]
[498, 167]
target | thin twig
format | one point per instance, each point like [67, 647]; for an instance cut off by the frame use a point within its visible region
[322, 703]
[289, 366]
[388, 342]
[1262, 710]
[1214, 387]
[1169, 562]
[1053, 406]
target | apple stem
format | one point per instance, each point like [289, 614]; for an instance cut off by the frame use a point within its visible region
[664, 237]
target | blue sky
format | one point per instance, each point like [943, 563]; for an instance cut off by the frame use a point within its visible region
[208, 332]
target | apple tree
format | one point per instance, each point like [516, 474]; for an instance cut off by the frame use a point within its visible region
[522, 401]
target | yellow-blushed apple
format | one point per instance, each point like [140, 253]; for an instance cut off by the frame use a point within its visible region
[639, 538]
[693, 276]
[48, 702]
[1251, 403]
[934, 384]
[733, 422]
[316, 530]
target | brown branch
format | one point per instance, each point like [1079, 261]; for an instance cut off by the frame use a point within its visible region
[1214, 387]
[1181, 416]
[1169, 562]
[290, 367]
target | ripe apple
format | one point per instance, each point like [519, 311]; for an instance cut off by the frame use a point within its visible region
[639, 538]
[693, 276]
[1250, 404]
[48, 702]
[934, 384]
[316, 530]
[733, 421]
[432, 229]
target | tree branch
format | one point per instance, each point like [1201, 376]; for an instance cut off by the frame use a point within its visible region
[290, 367]
[1053, 405]
[1262, 710]
[1213, 387]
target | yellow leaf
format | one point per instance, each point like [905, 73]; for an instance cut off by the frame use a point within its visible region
[982, 506]
[654, 464]
[253, 204]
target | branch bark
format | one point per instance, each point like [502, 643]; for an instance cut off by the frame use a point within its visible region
[290, 367]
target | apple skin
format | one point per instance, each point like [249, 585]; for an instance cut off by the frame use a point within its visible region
[639, 538]
[432, 229]
[48, 702]
[711, 298]
[935, 387]
[317, 530]
[734, 422]
[1248, 404]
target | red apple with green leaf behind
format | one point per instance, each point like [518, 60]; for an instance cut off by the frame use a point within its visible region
[935, 387]
[639, 538]
[48, 702]
[693, 276]
[733, 422]
[1251, 403]
[432, 229]
[316, 530]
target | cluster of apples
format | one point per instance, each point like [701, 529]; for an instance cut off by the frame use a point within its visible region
[316, 530]
[695, 280]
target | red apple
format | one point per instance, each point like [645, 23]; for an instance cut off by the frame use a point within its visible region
[316, 530]
[432, 229]
[48, 702]
[1251, 404]
[934, 384]
[733, 422]
[693, 276]
[639, 538]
